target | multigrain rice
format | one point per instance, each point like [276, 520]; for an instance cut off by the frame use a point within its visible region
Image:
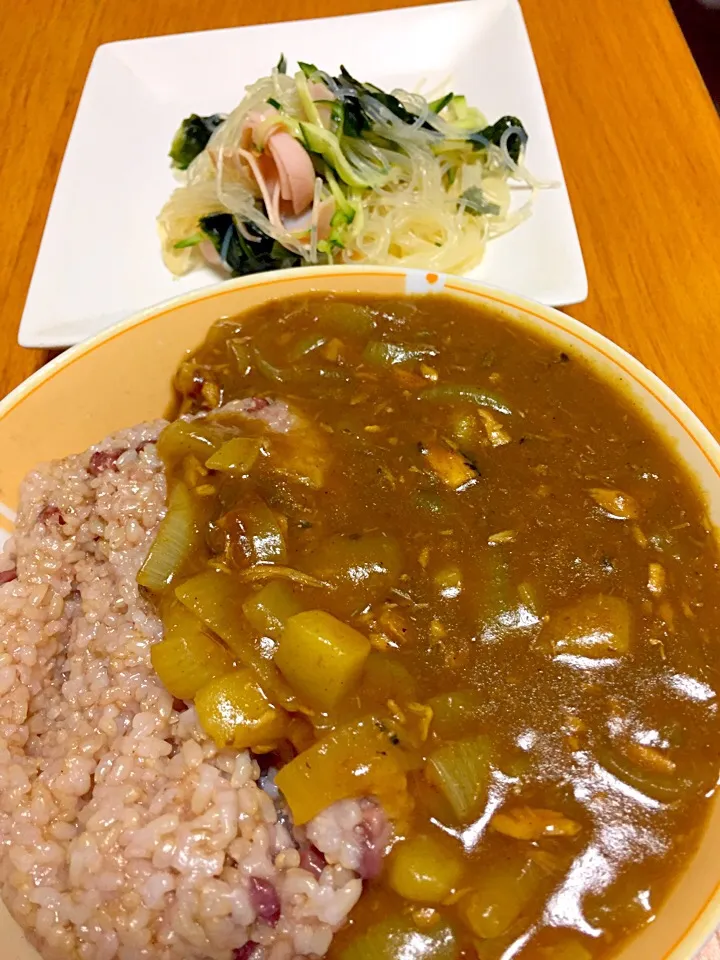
[125, 832]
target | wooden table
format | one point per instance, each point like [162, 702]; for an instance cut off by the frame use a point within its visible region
[638, 135]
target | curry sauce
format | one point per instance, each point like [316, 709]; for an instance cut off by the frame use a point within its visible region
[428, 557]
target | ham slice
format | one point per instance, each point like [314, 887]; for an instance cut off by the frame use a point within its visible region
[326, 209]
[282, 159]
[294, 169]
[262, 180]
[285, 177]
[250, 135]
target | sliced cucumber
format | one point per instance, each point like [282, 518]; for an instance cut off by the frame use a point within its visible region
[321, 141]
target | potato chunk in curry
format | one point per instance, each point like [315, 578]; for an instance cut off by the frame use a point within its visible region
[595, 627]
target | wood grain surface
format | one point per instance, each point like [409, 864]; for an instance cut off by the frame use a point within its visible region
[638, 136]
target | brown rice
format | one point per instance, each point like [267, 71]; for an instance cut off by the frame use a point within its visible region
[125, 832]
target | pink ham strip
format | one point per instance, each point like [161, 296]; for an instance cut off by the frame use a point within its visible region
[292, 163]
[271, 200]
[249, 130]
[294, 169]
[274, 209]
[325, 215]
[289, 175]
[257, 173]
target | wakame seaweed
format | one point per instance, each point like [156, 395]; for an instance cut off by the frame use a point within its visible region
[241, 255]
[192, 138]
[494, 134]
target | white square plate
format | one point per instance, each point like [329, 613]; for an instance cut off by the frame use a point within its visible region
[99, 260]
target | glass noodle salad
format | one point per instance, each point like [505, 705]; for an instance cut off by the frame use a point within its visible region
[312, 169]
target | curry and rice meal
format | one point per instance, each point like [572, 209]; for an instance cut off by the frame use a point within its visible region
[393, 643]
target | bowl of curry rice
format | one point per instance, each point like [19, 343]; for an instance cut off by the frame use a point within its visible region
[356, 623]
